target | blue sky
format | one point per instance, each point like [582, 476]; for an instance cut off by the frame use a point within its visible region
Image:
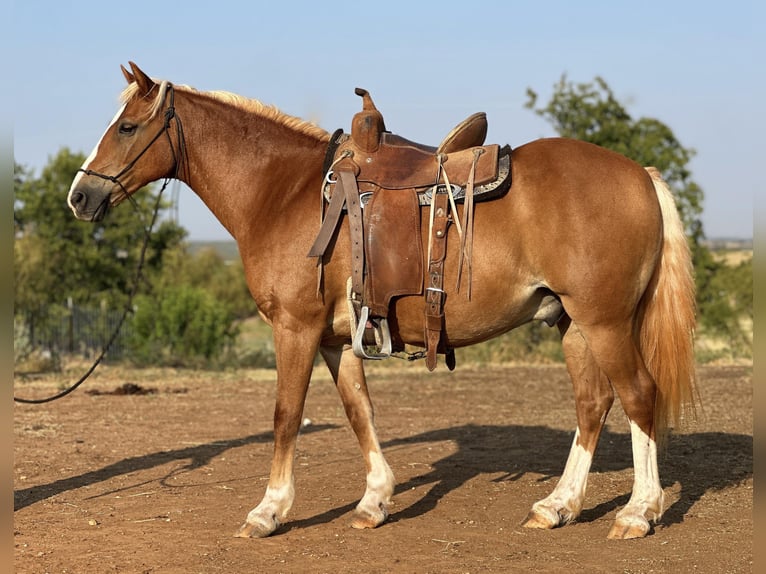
[698, 67]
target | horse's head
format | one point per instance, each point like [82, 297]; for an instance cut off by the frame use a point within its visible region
[136, 149]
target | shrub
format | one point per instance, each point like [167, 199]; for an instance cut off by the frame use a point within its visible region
[27, 358]
[183, 326]
[530, 343]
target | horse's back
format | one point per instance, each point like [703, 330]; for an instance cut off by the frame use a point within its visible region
[561, 175]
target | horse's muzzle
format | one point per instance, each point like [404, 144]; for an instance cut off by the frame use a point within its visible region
[89, 205]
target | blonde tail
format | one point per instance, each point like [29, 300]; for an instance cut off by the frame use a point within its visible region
[667, 318]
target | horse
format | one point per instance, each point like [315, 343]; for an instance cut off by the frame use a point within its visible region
[581, 226]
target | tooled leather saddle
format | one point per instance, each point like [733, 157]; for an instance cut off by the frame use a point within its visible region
[382, 181]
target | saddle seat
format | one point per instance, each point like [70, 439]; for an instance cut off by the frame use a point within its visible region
[382, 180]
[382, 159]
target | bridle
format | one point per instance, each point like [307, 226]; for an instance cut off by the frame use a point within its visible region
[170, 115]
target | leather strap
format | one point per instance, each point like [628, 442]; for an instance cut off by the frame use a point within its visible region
[336, 202]
[346, 194]
[347, 185]
[434, 312]
[329, 225]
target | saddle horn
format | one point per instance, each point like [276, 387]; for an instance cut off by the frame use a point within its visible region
[367, 125]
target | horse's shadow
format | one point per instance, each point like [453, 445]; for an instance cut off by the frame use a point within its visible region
[698, 462]
[197, 456]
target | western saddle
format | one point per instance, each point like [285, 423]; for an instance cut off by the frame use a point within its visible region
[382, 180]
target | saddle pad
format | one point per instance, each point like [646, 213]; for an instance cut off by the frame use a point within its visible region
[393, 248]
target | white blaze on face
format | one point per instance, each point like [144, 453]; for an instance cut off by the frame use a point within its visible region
[90, 158]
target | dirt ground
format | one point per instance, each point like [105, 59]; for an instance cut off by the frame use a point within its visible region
[159, 482]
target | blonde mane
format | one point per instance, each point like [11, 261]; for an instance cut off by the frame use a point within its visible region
[249, 105]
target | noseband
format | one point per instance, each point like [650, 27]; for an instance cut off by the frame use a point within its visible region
[170, 114]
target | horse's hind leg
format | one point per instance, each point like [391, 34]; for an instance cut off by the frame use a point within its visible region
[593, 399]
[348, 373]
[617, 354]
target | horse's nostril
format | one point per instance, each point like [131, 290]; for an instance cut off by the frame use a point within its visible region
[77, 198]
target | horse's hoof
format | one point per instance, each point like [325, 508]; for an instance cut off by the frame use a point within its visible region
[542, 517]
[369, 519]
[249, 530]
[625, 529]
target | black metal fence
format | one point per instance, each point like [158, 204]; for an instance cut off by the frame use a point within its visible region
[71, 330]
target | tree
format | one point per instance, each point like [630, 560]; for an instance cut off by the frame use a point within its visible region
[57, 257]
[186, 310]
[185, 326]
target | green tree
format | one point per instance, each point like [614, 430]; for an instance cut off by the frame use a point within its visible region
[187, 307]
[208, 270]
[57, 257]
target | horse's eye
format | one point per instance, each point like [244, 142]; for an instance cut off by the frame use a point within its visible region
[127, 129]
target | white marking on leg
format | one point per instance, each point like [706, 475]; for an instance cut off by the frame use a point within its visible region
[265, 518]
[647, 496]
[380, 486]
[275, 505]
[565, 502]
[647, 493]
[91, 157]
[380, 478]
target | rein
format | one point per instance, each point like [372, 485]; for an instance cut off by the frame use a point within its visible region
[169, 115]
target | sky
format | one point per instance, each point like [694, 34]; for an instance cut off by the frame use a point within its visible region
[696, 66]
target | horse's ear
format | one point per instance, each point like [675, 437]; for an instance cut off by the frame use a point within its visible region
[128, 76]
[145, 83]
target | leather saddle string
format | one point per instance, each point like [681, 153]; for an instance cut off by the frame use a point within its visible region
[441, 172]
[466, 245]
[451, 196]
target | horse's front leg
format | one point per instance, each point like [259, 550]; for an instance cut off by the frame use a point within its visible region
[295, 351]
[348, 373]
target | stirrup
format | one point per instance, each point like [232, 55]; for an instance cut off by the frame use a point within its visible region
[382, 337]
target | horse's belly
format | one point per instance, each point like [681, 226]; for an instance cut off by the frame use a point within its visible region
[482, 318]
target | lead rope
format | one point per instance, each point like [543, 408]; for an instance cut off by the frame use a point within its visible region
[128, 308]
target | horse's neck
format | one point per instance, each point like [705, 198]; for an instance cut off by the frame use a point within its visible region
[245, 167]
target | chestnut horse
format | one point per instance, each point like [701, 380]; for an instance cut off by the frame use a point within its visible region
[583, 230]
